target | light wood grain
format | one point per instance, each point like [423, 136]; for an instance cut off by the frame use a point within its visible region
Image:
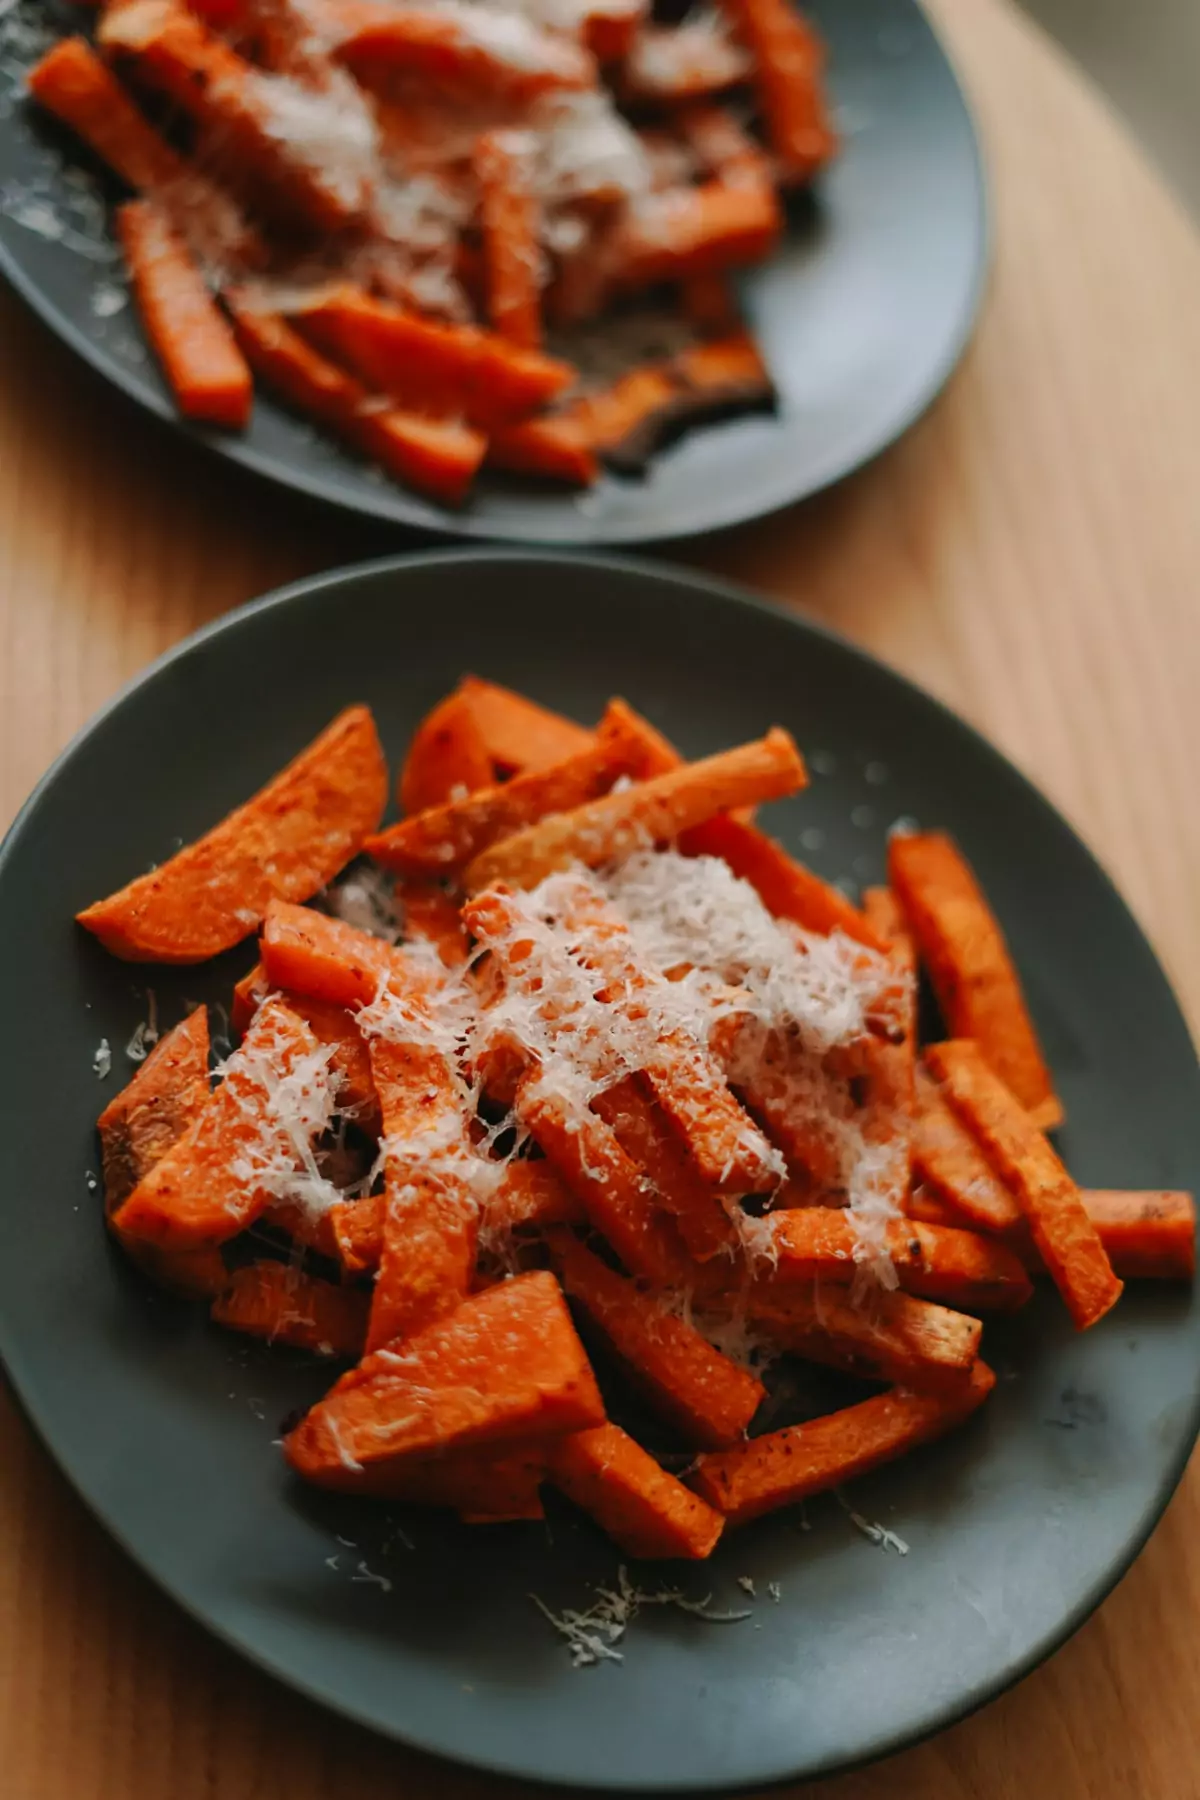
[1031, 553]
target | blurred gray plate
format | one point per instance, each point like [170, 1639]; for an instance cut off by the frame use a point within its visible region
[862, 315]
[1017, 1525]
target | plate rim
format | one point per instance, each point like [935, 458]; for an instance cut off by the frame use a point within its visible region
[744, 599]
[398, 508]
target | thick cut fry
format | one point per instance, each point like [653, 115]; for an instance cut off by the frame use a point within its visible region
[727, 1148]
[1147, 1234]
[510, 223]
[787, 74]
[71, 82]
[285, 843]
[208, 374]
[521, 736]
[646, 1511]
[325, 959]
[247, 113]
[653, 811]
[331, 1025]
[452, 369]
[705, 1396]
[438, 457]
[973, 976]
[139, 1126]
[679, 233]
[212, 1183]
[447, 758]
[722, 145]
[786, 888]
[430, 1214]
[608, 1185]
[285, 1306]
[483, 1489]
[946, 1156]
[433, 916]
[506, 1368]
[440, 840]
[558, 447]
[1065, 1237]
[655, 403]
[788, 1466]
[893, 1337]
[643, 1133]
[509, 56]
[958, 1268]
[611, 26]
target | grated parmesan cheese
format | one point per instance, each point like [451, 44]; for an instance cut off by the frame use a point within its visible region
[593, 1632]
[102, 1059]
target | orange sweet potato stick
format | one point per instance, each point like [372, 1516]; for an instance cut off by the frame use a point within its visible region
[331, 1025]
[430, 1214]
[787, 1466]
[453, 369]
[513, 57]
[708, 1398]
[285, 1306]
[438, 457]
[325, 959]
[958, 1268]
[947, 1158]
[246, 111]
[139, 1126]
[212, 1183]
[1147, 1234]
[510, 225]
[897, 1337]
[447, 757]
[440, 840]
[558, 447]
[71, 82]
[679, 233]
[644, 1134]
[207, 373]
[433, 916]
[973, 976]
[611, 26]
[787, 62]
[608, 1186]
[483, 1489]
[506, 1368]
[650, 812]
[645, 1510]
[728, 1149]
[285, 843]
[1065, 1237]
[520, 735]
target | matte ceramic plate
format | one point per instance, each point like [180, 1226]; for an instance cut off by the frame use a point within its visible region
[1016, 1526]
[862, 315]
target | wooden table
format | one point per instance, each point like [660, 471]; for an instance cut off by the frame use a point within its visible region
[1031, 552]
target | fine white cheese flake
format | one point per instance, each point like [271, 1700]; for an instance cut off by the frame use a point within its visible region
[102, 1059]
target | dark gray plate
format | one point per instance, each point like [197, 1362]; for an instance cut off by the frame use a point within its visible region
[862, 316]
[1017, 1526]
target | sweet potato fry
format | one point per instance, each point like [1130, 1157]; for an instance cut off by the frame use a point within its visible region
[483, 1489]
[455, 370]
[521, 736]
[896, 1337]
[71, 82]
[438, 457]
[506, 1368]
[957, 1268]
[646, 1511]
[139, 1126]
[433, 916]
[558, 447]
[356, 1230]
[691, 61]
[608, 1185]
[644, 1134]
[1147, 1234]
[650, 812]
[207, 373]
[447, 758]
[1065, 1237]
[611, 26]
[331, 1025]
[455, 44]
[655, 403]
[212, 1183]
[787, 68]
[440, 840]
[285, 843]
[973, 976]
[679, 233]
[948, 1159]
[324, 959]
[704, 1395]
[788, 1466]
[786, 888]
[285, 1306]
[509, 219]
